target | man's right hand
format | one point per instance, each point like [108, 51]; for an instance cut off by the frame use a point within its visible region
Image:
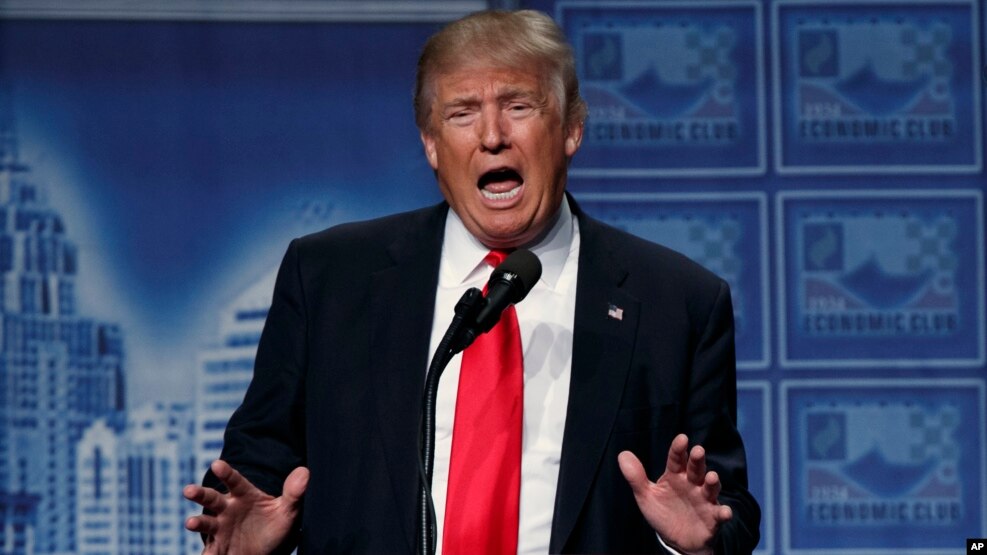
[246, 520]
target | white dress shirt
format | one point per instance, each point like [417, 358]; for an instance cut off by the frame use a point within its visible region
[546, 318]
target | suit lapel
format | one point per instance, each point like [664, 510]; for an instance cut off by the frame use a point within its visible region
[605, 330]
[402, 310]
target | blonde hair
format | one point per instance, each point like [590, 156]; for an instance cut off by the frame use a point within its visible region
[509, 39]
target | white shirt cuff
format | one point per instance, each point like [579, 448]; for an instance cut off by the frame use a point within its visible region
[665, 545]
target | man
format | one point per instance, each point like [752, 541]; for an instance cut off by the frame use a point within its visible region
[627, 349]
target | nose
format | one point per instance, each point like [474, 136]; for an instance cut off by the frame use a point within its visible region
[494, 130]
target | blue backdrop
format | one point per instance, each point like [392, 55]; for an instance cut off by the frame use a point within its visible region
[825, 158]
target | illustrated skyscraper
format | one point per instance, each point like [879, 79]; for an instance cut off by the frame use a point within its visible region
[59, 371]
[225, 369]
[130, 480]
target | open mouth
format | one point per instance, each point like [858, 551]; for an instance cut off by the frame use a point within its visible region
[500, 184]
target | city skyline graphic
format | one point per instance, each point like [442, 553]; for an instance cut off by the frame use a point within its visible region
[135, 291]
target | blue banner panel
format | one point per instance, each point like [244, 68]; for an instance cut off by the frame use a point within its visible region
[876, 87]
[753, 414]
[726, 233]
[889, 466]
[673, 88]
[871, 278]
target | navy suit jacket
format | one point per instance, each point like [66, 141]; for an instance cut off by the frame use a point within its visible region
[341, 364]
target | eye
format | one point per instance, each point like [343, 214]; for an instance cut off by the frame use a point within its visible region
[517, 109]
[461, 117]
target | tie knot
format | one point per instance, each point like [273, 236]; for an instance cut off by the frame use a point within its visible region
[496, 256]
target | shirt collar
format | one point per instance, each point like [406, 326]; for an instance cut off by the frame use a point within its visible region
[462, 254]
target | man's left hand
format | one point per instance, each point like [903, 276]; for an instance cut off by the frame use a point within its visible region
[681, 506]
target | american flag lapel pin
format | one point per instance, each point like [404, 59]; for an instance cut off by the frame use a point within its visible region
[614, 312]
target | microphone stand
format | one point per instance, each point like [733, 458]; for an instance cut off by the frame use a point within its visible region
[457, 337]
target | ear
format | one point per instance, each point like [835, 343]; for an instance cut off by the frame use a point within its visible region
[428, 141]
[573, 138]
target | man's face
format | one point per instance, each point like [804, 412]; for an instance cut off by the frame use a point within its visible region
[499, 149]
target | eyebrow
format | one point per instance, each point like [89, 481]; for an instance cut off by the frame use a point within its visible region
[508, 94]
[513, 93]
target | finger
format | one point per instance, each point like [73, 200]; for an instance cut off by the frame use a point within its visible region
[192, 492]
[216, 546]
[294, 485]
[633, 471]
[209, 498]
[209, 527]
[233, 480]
[723, 513]
[711, 489]
[677, 454]
[203, 524]
[696, 469]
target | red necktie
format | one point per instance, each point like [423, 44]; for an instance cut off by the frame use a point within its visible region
[485, 466]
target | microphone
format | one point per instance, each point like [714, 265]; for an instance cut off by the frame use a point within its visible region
[509, 284]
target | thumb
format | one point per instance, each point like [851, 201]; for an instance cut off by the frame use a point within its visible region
[633, 471]
[294, 485]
